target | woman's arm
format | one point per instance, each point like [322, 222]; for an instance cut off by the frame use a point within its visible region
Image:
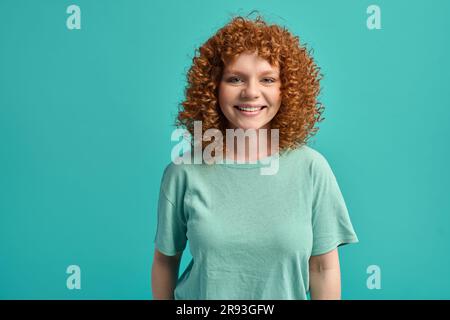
[164, 275]
[325, 276]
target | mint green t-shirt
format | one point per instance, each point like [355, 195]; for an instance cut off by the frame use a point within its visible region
[251, 235]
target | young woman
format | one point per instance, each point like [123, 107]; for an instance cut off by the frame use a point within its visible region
[252, 236]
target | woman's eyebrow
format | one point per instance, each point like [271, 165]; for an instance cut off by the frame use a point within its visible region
[262, 73]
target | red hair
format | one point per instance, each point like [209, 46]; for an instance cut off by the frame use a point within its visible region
[299, 75]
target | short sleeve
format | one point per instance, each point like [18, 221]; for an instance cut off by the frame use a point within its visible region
[331, 223]
[171, 228]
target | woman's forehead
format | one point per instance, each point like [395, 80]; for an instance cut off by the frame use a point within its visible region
[249, 63]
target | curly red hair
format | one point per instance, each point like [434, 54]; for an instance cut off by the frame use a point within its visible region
[299, 75]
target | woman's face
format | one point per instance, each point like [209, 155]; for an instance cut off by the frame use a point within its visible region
[249, 92]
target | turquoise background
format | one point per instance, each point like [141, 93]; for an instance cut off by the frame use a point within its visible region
[86, 117]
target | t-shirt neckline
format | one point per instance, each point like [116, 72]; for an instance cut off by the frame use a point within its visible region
[262, 162]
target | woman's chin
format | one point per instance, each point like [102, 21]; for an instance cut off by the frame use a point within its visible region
[250, 126]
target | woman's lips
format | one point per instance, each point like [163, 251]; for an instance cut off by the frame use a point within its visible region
[249, 111]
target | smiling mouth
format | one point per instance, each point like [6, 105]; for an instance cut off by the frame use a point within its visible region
[250, 109]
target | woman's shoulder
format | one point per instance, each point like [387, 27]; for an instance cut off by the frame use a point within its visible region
[182, 165]
[310, 161]
[307, 155]
[178, 164]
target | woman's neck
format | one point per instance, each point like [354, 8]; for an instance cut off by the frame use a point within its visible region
[253, 147]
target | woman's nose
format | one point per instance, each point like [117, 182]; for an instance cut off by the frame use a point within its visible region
[251, 90]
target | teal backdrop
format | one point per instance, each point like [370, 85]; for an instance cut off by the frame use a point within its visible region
[86, 117]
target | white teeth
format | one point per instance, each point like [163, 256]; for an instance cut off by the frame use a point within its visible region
[249, 109]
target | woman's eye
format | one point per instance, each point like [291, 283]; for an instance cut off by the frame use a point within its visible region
[236, 80]
[232, 79]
